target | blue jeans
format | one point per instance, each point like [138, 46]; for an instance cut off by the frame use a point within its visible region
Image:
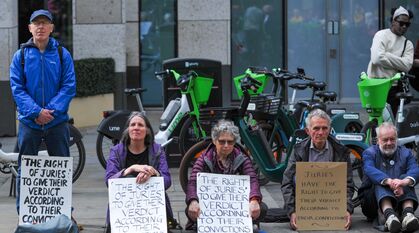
[385, 192]
[56, 139]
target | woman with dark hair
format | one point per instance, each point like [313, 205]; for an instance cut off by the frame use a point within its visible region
[137, 155]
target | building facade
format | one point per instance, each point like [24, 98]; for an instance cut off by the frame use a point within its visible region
[330, 39]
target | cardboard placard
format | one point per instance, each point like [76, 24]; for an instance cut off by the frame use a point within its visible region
[320, 196]
[137, 207]
[224, 203]
[45, 188]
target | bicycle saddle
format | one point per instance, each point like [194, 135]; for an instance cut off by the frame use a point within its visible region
[132, 91]
[317, 85]
[407, 96]
[312, 105]
[298, 86]
[326, 95]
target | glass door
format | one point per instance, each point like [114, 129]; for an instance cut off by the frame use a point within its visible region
[330, 39]
[359, 23]
[157, 43]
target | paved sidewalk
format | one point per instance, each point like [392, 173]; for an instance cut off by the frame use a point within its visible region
[90, 194]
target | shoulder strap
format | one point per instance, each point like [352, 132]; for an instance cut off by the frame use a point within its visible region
[22, 63]
[404, 47]
[22, 60]
[60, 53]
[238, 161]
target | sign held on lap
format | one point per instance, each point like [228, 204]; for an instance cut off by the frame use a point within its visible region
[320, 196]
[224, 203]
[137, 207]
[45, 188]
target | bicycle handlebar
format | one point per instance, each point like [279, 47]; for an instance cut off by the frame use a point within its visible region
[407, 75]
[249, 83]
[164, 72]
[284, 74]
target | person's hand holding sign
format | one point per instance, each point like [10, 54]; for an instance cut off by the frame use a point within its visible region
[254, 209]
[194, 210]
[144, 172]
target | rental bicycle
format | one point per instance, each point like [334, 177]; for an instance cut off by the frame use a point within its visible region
[113, 124]
[180, 114]
[9, 160]
[373, 93]
[183, 113]
[253, 139]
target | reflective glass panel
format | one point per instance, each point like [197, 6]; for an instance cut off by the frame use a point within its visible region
[256, 35]
[157, 43]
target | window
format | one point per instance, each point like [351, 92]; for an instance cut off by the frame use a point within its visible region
[256, 35]
[61, 11]
[157, 43]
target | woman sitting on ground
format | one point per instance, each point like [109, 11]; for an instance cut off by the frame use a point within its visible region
[223, 156]
[137, 155]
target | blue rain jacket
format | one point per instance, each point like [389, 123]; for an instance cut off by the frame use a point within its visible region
[48, 84]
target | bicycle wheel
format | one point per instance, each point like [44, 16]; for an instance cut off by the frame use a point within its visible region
[369, 131]
[275, 141]
[353, 127]
[187, 136]
[356, 161]
[103, 146]
[78, 153]
[277, 147]
[188, 160]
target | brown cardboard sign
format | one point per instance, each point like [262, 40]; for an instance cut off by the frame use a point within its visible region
[320, 195]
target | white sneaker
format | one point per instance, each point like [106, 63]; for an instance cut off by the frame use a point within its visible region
[410, 223]
[393, 224]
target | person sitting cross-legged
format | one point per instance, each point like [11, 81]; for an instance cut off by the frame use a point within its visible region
[393, 171]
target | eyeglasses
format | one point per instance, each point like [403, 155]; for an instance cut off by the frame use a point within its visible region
[402, 23]
[39, 23]
[228, 142]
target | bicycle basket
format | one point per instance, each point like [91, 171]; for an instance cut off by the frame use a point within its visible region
[373, 92]
[208, 117]
[259, 77]
[264, 103]
[202, 89]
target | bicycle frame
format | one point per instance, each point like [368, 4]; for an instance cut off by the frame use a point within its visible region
[10, 160]
[190, 103]
[163, 136]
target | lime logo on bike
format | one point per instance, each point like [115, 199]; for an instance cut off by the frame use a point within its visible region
[114, 128]
[366, 93]
[350, 116]
[349, 137]
[251, 107]
[175, 122]
[414, 125]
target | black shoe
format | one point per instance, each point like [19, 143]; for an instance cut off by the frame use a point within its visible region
[173, 224]
[190, 226]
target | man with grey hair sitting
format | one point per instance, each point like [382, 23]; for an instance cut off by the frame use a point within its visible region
[223, 156]
[393, 171]
[318, 147]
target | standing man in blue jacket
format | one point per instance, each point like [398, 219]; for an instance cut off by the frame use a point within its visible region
[394, 172]
[43, 83]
